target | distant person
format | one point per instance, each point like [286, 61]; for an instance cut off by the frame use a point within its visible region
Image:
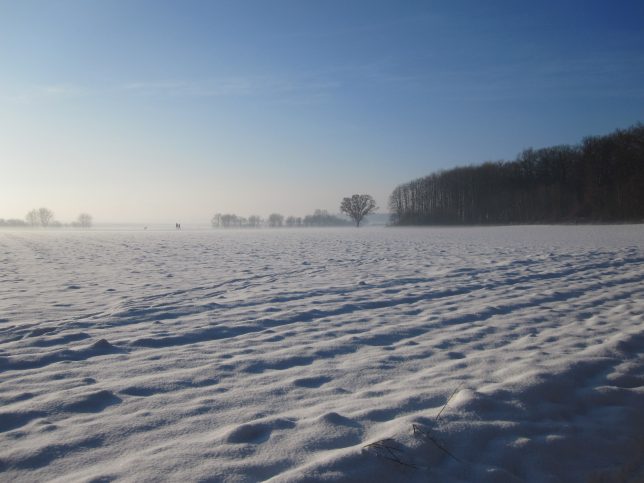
[178, 226]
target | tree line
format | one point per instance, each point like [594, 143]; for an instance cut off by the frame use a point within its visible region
[276, 220]
[44, 217]
[600, 179]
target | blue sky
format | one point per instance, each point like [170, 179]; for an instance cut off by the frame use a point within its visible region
[156, 111]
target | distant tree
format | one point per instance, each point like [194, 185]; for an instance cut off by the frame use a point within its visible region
[84, 220]
[291, 221]
[275, 220]
[46, 216]
[216, 220]
[33, 218]
[358, 206]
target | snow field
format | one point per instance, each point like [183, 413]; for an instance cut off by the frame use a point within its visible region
[323, 355]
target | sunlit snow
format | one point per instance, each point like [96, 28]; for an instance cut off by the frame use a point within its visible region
[322, 354]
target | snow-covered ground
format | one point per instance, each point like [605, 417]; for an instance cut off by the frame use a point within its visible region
[323, 355]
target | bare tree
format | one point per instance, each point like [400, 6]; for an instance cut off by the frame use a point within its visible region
[33, 218]
[46, 216]
[84, 220]
[358, 206]
[275, 220]
[216, 220]
[254, 221]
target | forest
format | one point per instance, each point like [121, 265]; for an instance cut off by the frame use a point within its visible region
[600, 179]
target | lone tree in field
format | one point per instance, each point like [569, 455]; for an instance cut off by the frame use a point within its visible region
[358, 206]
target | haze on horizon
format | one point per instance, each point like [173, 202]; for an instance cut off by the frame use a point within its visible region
[156, 111]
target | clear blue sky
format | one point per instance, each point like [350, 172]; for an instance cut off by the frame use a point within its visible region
[157, 111]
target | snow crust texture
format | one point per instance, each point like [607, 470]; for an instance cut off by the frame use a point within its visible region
[473, 354]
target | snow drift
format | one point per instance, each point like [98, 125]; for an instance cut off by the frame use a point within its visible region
[471, 354]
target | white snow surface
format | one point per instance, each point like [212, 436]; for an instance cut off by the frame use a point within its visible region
[323, 355]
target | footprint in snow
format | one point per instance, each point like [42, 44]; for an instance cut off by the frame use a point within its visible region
[250, 433]
[102, 345]
[336, 419]
[256, 433]
[93, 402]
[311, 382]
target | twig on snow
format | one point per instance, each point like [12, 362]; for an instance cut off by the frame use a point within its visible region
[385, 449]
[447, 402]
[427, 435]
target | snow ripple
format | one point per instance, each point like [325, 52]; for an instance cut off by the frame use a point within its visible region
[318, 354]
